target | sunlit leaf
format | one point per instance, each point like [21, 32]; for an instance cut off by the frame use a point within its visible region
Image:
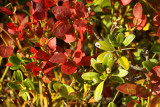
[127, 88]
[59, 58]
[108, 60]
[120, 72]
[112, 104]
[123, 61]
[98, 91]
[104, 45]
[128, 39]
[137, 10]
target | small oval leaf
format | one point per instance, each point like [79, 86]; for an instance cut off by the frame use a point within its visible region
[18, 75]
[123, 61]
[117, 79]
[112, 104]
[98, 91]
[128, 39]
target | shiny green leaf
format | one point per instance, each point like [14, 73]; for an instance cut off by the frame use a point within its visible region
[123, 61]
[120, 38]
[108, 60]
[112, 40]
[100, 57]
[98, 91]
[18, 75]
[104, 45]
[13, 85]
[128, 39]
[120, 72]
[117, 79]
[112, 104]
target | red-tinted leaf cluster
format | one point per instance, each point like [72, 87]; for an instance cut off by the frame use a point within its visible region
[133, 89]
[139, 19]
[124, 2]
[6, 51]
[6, 11]
[156, 23]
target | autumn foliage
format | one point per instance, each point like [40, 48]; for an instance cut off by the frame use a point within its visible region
[64, 53]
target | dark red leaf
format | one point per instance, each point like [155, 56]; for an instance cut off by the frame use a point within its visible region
[137, 11]
[68, 68]
[156, 20]
[59, 58]
[127, 88]
[142, 92]
[81, 10]
[43, 41]
[107, 92]
[86, 60]
[155, 74]
[50, 23]
[77, 55]
[42, 55]
[49, 69]
[30, 65]
[61, 12]
[12, 29]
[33, 50]
[155, 101]
[124, 2]
[39, 31]
[132, 103]
[6, 11]
[80, 25]
[5, 51]
[36, 70]
[50, 3]
[158, 32]
[61, 28]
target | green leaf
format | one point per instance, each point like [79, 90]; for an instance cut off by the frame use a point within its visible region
[117, 79]
[90, 75]
[108, 60]
[148, 65]
[57, 86]
[28, 84]
[112, 104]
[97, 66]
[120, 72]
[128, 39]
[104, 45]
[100, 57]
[104, 77]
[22, 94]
[112, 40]
[15, 67]
[18, 75]
[123, 61]
[98, 91]
[120, 38]
[13, 85]
[14, 60]
[102, 3]
[156, 48]
[67, 91]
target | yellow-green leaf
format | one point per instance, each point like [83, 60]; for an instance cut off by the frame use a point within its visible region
[123, 61]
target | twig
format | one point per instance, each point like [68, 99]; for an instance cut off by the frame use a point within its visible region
[137, 68]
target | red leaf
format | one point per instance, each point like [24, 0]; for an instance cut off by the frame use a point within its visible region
[155, 101]
[79, 45]
[107, 92]
[8, 64]
[156, 20]
[80, 25]
[30, 65]
[68, 52]
[50, 23]
[137, 11]
[77, 55]
[11, 28]
[33, 50]
[39, 31]
[36, 70]
[45, 79]
[86, 61]
[52, 43]
[61, 28]
[68, 38]
[142, 92]
[61, 12]
[49, 69]
[50, 3]
[158, 32]
[127, 88]
[59, 58]
[81, 10]
[144, 19]
[42, 55]
[5, 51]
[6, 11]
[124, 2]
[68, 68]
[155, 74]
[132, 103]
